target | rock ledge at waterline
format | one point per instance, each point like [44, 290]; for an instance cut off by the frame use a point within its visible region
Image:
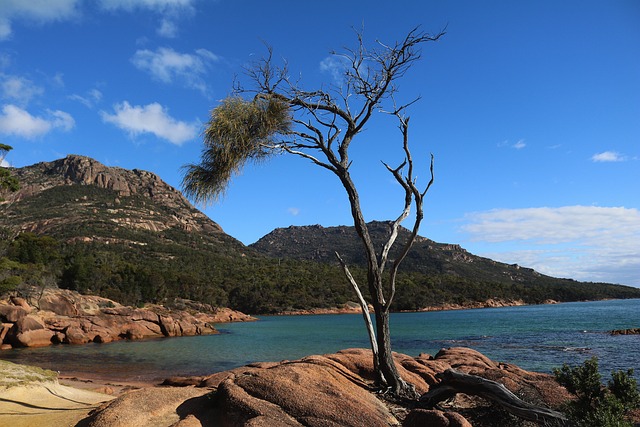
[63, 316]
[328, 390]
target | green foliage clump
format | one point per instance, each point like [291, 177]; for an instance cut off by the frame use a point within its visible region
[7, 181]
[10, 284]
[598, 405]
[237, 131]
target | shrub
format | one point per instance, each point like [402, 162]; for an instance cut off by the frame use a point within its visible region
[598, 405]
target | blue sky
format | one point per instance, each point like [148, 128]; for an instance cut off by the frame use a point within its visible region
[531, 109]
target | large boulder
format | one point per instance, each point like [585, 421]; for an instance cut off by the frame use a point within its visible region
[59, 303]
[11, 313]
[149, 407]
[75, 335]
[20, 302]
[29, 331]
[313, 394]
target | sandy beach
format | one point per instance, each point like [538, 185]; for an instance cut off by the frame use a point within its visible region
[33, 397]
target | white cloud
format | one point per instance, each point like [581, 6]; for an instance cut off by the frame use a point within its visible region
[157, 5]
[167, 65]
[608, 156]
[39, 11]
[18, 89]
[151, 118]
[335, 67]
[171, 10]
[519, 145]
[582, 242]
[294, 211]
[4, 163]
[16, 121]
[62, 120]
[168, 29]
[89, 99]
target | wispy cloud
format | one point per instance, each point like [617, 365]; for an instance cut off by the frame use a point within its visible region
[518, 145]
[88, 99]
[167, 65]
[335, 66]
[35, 11]
[46, 11]
[294, 211]
[156, 5]
[582, 242]
[608, 156]
[19, 122]
[153, 119]
[168, 29]
[170, 10]
[18, 89]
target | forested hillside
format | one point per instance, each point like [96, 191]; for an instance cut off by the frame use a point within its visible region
[128, 236]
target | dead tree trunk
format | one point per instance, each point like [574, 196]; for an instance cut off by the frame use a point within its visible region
[365, 314]
[454, 382]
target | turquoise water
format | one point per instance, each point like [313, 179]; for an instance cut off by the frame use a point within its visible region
[536, 338]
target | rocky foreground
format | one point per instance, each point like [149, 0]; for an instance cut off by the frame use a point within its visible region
[329, 390]
[57, 316]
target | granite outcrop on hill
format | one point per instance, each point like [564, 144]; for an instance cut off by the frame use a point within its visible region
[137, 199]
[329, 390]
[61, 316]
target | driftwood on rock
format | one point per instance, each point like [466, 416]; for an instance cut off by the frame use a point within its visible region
[453, 382]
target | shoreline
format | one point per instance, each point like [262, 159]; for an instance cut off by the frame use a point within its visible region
[352, 308]
[72, 400]
[101, 384]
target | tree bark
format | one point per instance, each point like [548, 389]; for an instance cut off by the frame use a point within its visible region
[454, 382]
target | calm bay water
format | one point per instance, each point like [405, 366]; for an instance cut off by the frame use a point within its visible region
[536, 338]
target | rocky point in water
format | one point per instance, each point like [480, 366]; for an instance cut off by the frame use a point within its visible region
[64, 316]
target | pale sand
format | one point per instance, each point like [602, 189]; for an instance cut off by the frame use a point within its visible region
[33, 397]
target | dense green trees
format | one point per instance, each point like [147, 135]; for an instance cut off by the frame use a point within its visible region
[8, 182]
[254, 284]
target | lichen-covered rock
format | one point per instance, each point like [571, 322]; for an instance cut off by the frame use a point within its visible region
[335, 390]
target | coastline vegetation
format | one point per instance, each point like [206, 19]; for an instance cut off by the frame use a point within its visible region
[598, 405]
[161, 270]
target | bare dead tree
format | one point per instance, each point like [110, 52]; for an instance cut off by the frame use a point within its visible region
[320, 126]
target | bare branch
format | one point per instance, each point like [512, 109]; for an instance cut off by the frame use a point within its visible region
[310, 157]
[363, 304]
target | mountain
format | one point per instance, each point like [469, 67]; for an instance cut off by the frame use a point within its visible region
[434, 272]
[122, 234]
[78, 191]
[128, 236]
[318, 243]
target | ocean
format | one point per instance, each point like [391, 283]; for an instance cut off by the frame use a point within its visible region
[536, 338]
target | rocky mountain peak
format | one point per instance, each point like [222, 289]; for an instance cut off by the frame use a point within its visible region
[83, 170]
[132, 198]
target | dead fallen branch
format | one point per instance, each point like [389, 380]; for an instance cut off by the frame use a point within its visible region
[454, 382]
